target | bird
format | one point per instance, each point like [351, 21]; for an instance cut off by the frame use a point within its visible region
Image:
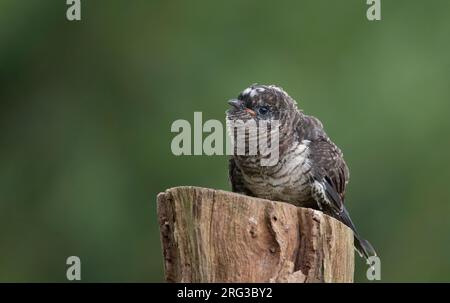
[310, 171]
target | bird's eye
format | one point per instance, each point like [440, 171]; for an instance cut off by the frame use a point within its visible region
[263, 110]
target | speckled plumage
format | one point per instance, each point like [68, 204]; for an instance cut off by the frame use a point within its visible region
[310, 171]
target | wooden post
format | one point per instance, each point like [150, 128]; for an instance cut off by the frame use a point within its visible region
[217, 236]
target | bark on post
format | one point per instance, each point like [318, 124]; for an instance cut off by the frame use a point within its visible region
[217, 236]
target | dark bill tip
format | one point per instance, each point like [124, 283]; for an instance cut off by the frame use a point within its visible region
[235, 103]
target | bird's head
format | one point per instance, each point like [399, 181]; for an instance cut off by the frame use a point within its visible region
[262, 102]
[271, 109]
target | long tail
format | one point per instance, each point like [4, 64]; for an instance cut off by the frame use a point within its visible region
[364, 248]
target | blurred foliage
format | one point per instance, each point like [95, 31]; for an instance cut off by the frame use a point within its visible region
[86, 109]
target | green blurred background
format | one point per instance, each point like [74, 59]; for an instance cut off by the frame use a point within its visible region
[86, 109]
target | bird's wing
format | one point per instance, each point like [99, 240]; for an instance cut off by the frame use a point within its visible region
[329, 172]
[330, 176]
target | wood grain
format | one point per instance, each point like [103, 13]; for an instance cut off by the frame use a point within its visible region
[217, 236]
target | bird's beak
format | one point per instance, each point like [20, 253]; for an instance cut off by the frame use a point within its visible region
[250, 112]
[237, 104]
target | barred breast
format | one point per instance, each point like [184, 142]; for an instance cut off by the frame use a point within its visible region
[287, 181]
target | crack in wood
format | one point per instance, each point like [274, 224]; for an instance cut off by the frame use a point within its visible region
[216, 236]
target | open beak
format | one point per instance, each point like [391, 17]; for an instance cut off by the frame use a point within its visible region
[239, 105]
[250, 112]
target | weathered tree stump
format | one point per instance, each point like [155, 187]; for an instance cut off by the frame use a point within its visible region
[217, 236]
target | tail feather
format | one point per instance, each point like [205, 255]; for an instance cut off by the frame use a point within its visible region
[362, 246]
